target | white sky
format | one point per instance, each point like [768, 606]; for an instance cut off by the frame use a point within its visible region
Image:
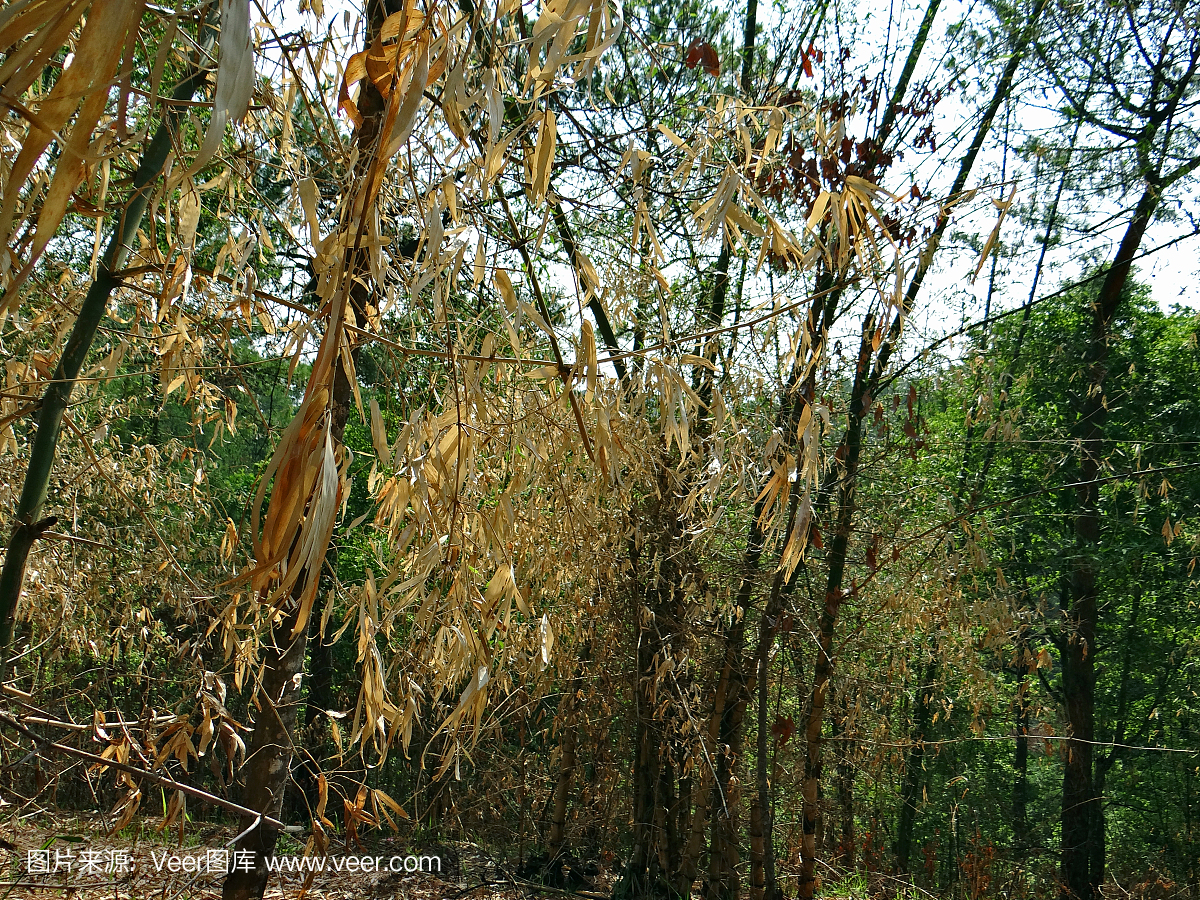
[949, 298]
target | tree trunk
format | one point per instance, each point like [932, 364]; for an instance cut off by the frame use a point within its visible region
[1079, 685]
[757, 873]
[723, 879]
[599, 313]
[864, 386]
[321, 665]
[1190, 843]
[269, 755]
[1020, 795]
[914, 769]
[1080, 802]
[562, 791]
[689, 867]
[823, 669]
[764, 878]
[670, 844]
[847, 843]
[1081, 808]
[723, 848]
[321, 695]
[28, 524]
[645, 765]
[569, 737]
[712, 317]
[1097, 837]
[656, 610]
[267, 770]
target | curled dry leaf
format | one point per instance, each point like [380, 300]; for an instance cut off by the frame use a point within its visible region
[703, 54]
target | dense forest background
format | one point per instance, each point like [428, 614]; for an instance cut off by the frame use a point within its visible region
[682, 447]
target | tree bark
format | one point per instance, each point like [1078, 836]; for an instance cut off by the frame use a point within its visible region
[823, 669]
[567, 749]
[723, 878]
[645, 765]
[690, 863]
[1020, 794]
[1079, 802]
[321, 694]
[1081, 828]
[667, 817]
[847, 842]
[757, 872]
[269, 755]
[656, 609]
[724, 881]
[914, 768]
[764, 879]
[267, 770]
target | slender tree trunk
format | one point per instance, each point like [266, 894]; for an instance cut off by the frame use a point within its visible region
[836, 735]
[757, 872]
[562, 791]
[1096, 865]
[764, 879]
[847, 843]
[28, 524]
[823, 669]
[1104, 762]
[711, 319]
[794, 399]
[569, 736]
[645, 763]
[321, 665]
[864, 386]
[267, 770]
[723, 879]
[1190, 843]
[914, 769]
[730, 699]
[1020, 795]
[1079, 685]
[689, 867]
[670, 845]
[1081, 807]
[790, 410]
[1080, 801]
[269, 755]
[781, 589]
[723, 848]
[321, 694]
[599, 313]
[656, 610]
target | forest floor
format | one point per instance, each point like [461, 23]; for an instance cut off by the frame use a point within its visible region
[75, 857]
